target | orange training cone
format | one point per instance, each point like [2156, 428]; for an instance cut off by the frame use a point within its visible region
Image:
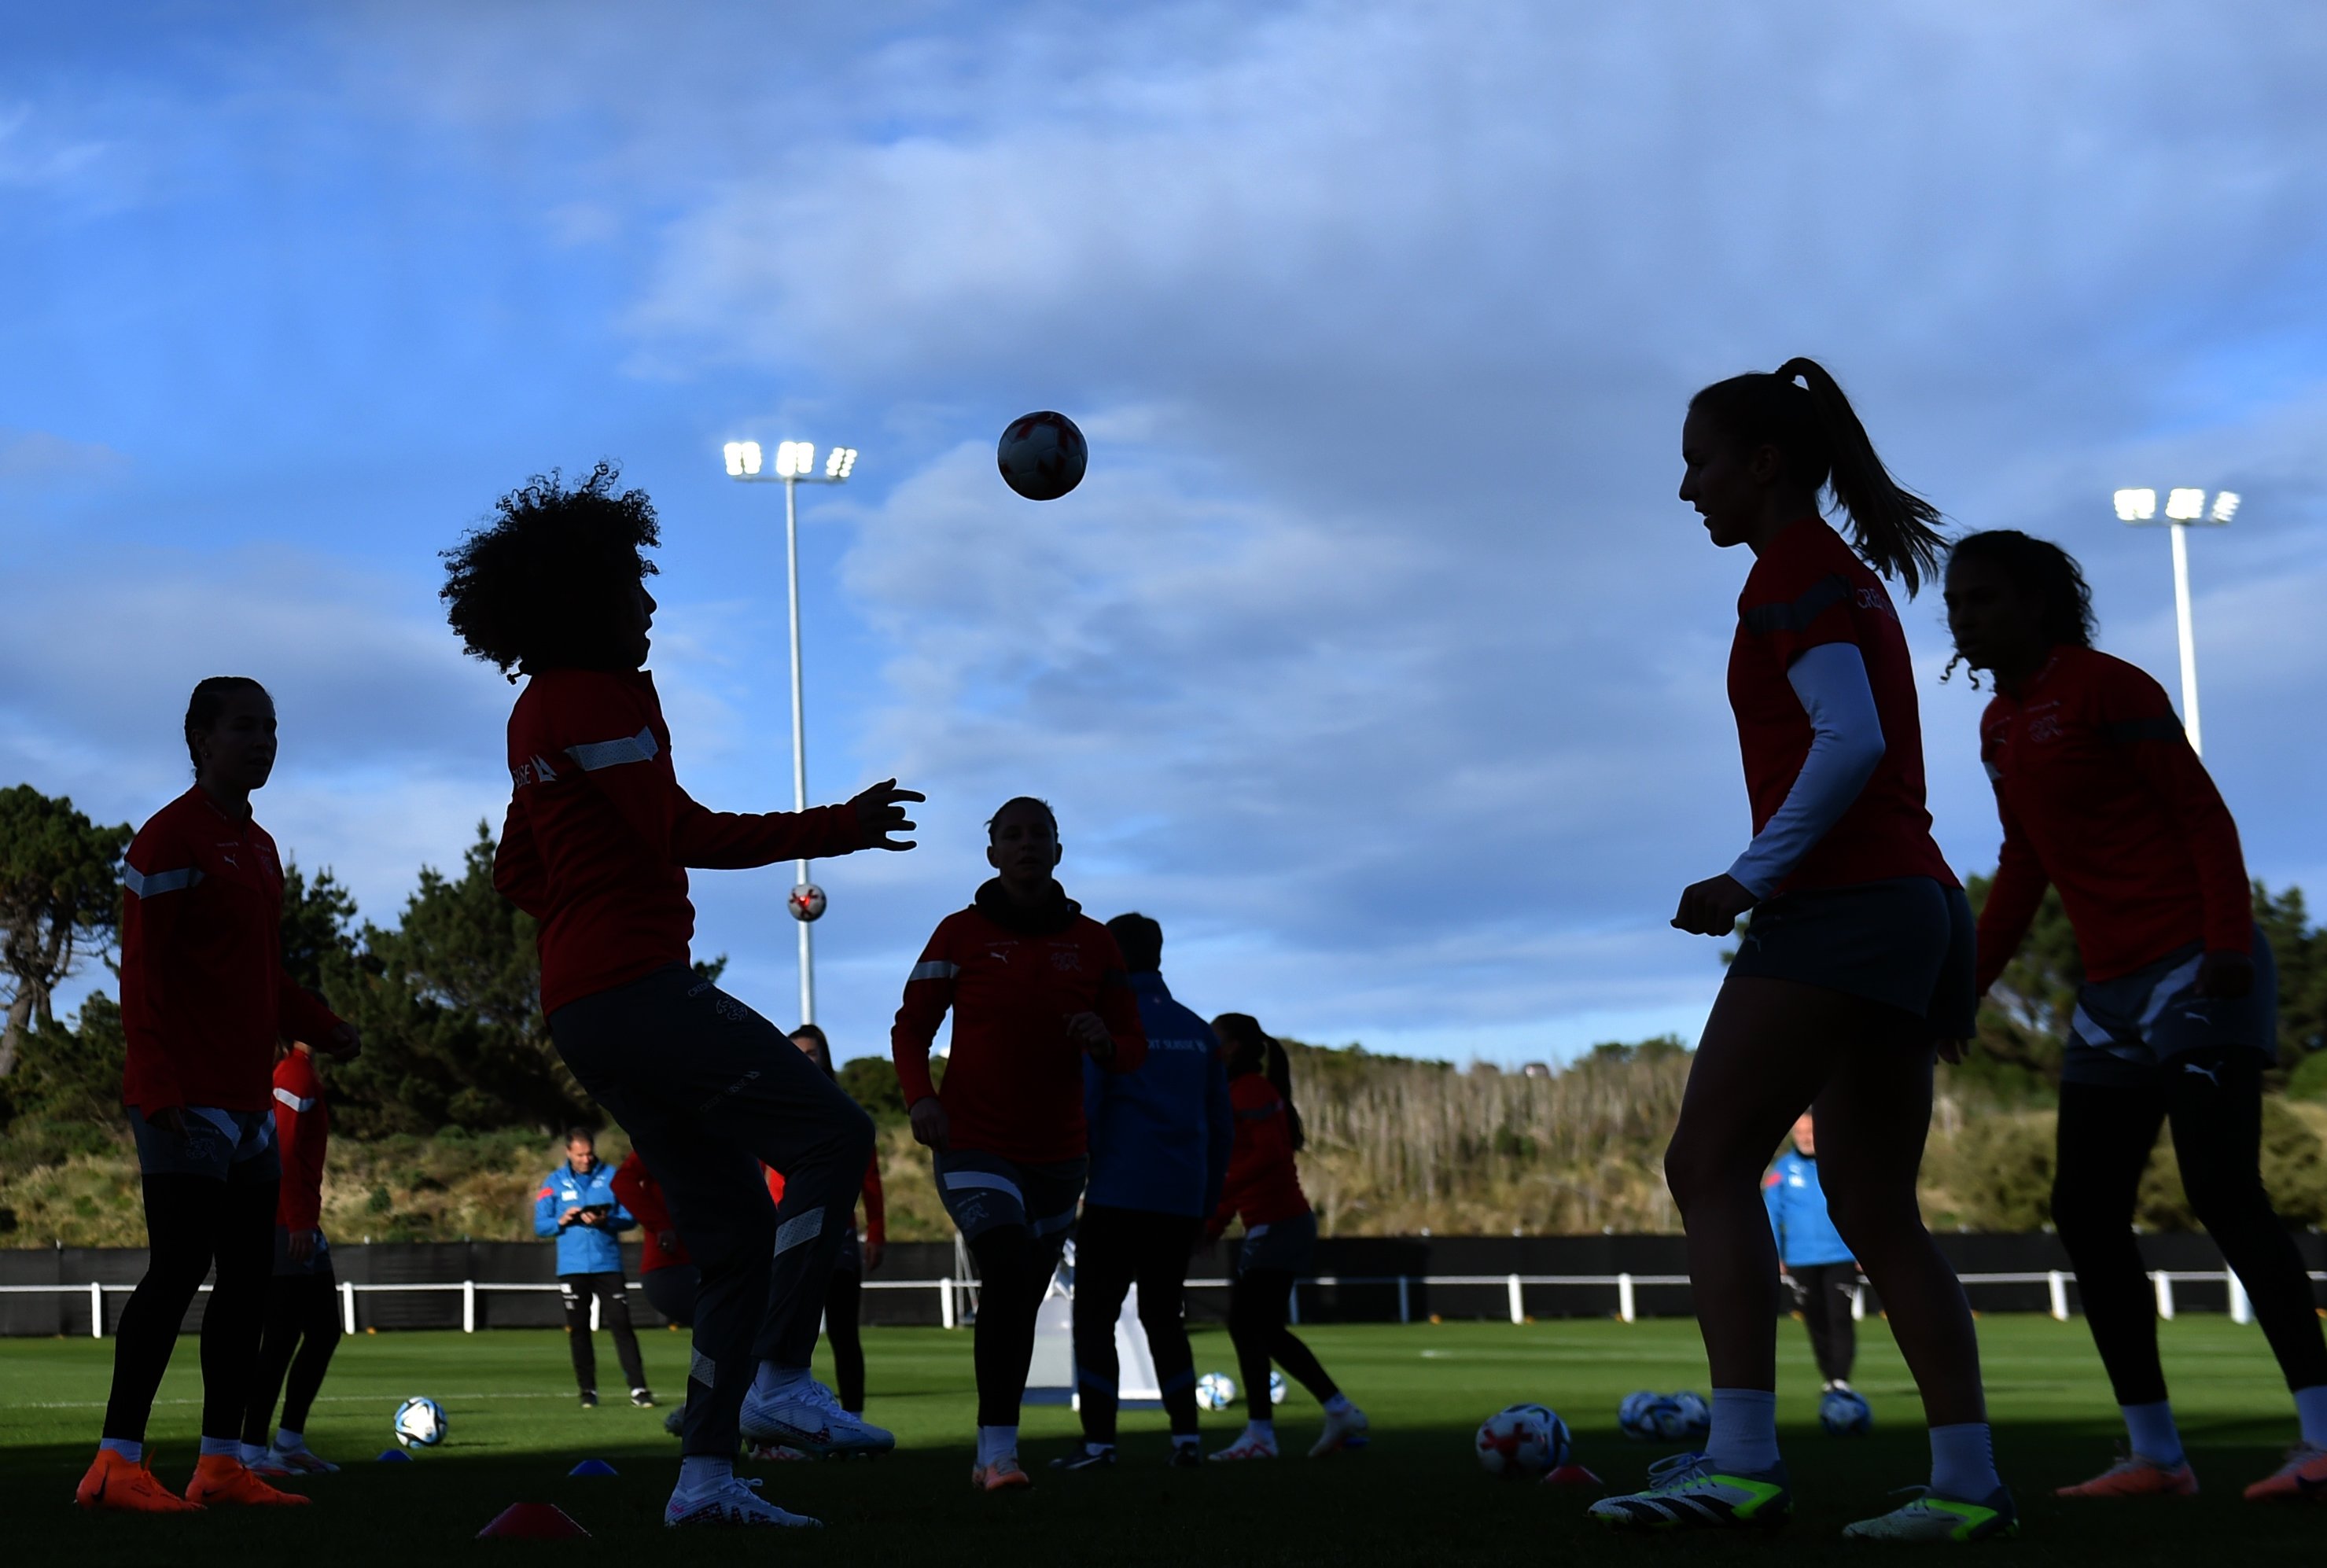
[532, 1522]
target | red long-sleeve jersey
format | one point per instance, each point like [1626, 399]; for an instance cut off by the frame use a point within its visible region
[303, 1131]
[599, 832]
[641, 1194]
[2101, 795]
[1013, 1082]
[877, 1207]
[203, 993]
[1264, 1183]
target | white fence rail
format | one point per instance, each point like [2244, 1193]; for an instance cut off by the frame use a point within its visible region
[953, 1293]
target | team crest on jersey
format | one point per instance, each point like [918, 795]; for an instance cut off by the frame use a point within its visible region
[1067, 960]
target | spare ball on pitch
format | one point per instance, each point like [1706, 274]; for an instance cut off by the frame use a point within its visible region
[1216, 1391]
[420, 1422]
[1523, 1442]
[1041, 456]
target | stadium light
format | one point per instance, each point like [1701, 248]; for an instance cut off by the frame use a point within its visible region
[796, 466]
[2185, 509]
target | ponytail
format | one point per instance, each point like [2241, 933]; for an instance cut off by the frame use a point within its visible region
[1818, 435]
[1249, 1049]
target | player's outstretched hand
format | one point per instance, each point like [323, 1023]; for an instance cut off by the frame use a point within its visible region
[880, 812]
[2225, 974]
[931, 1127]
[1711, 908]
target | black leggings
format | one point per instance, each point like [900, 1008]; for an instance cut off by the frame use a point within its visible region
[191, 1223]
[2213, 1099]
[302, 1329]
[842, 1298]
[613, 1311]
[1260, 1302]
[1012, 1274]
[1824, 1292]
[1115, 1249]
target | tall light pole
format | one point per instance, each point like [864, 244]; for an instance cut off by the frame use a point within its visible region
[2185, 509]
[796, 466]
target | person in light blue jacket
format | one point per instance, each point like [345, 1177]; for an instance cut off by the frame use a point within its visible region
[576, 1205]
[1816, 1264]
[1160, 1137]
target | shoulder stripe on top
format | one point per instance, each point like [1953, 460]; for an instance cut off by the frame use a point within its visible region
[293, 1101]
[592, 755]
[1796, 615]
[161, 882]
[933, 970]
[2164, 728]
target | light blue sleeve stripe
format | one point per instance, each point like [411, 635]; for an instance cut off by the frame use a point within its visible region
[161, 882]
[592, 755]
[956, 1181]
[934, 969]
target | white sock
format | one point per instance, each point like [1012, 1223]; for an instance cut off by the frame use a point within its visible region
[250, 1452]
[231, 1447]
[1338, 1405]
[288, 1440]
[774, 1382]
[699, 1472]
[1745, 1437]
[2151, 1430]
[1261, 1432]
[1186, 1439]
[135, 1452]
[1963, 1462]
[994, 1442]
[2311, 1406]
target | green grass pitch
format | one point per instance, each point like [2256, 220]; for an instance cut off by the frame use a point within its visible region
[1416, 1496]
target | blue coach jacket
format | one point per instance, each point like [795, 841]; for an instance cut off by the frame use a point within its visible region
[1796, 1206]
[582, 1248]
[1160, 1135]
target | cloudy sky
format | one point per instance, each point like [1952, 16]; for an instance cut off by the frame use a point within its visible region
[1375, 656]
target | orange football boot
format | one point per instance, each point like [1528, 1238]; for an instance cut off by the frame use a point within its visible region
[2303, 1479]
[2137, 1476]
[222, 1479]
[115, 1482]
[1005, 1474]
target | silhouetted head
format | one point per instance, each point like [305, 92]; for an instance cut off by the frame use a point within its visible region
[815, 1047]
[557, 578]
[1758, 445]
[2013, 598]
[1142, 941]
[1022, 844]
[230, 733]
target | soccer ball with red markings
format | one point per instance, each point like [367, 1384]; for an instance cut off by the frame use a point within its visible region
[1523, 1442]
[1043, 456]
[806, 902]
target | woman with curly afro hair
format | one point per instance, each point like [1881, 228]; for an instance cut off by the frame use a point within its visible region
[596, 846]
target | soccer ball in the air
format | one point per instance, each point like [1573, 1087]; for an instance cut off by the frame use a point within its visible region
[1523, 1442]
[806, 901]
[1845, 1412]
[1215, 1391]
[1043, 456]
[1277, 1387]
[420, 1422]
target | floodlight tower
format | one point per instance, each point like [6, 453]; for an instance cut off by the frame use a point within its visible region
[796, 466]
[2185, 509]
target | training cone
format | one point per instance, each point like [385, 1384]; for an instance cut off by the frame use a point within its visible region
[532, 1522]
[394, 1456]
[592, 1467]
[1573, 1475]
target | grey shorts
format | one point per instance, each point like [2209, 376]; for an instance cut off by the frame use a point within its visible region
[2126, 1030]
[1282, 1245]
[289, 1267]
[984, 1192]
[1907, 943]
[234, 1146]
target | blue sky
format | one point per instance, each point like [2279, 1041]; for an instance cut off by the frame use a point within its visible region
[1375, 658]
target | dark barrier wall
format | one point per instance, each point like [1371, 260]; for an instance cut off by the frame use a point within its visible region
[532, 1263]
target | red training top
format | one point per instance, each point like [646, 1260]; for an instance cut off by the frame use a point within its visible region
[302, 1129]
[876, 1212]
[2102, 797]
[1263, 1183]
[599, 830]
[641, 1194]
[1807, 589]
[204, 996]
[1013, 1083]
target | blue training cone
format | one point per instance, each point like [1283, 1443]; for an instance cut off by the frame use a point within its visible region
[592, 1467]
[394, 1456]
